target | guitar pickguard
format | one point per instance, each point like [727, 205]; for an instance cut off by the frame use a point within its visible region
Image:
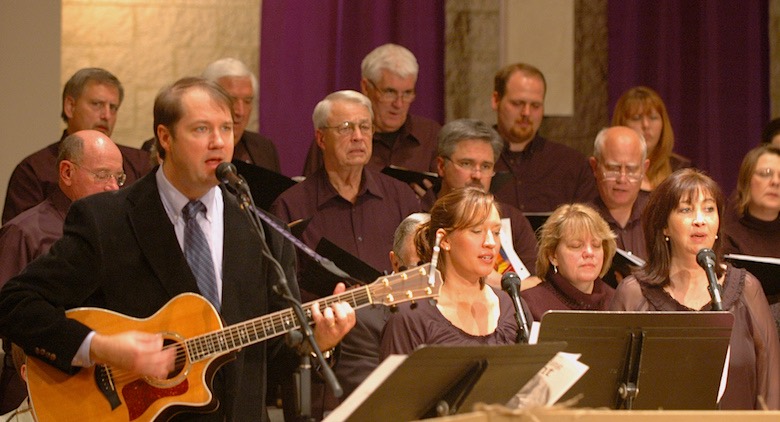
[139, 395]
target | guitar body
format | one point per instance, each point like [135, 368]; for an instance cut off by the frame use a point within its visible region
[190, 324]
[57, 396]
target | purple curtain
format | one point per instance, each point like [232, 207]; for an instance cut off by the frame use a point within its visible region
[312, 48]
[709, 61]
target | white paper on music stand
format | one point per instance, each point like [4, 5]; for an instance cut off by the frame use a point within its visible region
[361, 393]
[509, 249]
[551, 382]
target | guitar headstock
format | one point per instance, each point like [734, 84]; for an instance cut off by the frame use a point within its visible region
[413, 284]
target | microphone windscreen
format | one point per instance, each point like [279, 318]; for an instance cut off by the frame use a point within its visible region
[224, 169]
[704, 255]
[509, 279]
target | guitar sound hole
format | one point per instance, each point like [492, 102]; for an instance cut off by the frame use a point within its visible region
[181, 366]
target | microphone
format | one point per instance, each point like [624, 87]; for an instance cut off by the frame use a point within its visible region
[706, 259]
[510, 282]
[226, 173]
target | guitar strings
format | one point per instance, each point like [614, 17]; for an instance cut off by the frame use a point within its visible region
[239, 335]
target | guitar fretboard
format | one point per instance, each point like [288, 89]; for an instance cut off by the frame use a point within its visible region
[265, 327]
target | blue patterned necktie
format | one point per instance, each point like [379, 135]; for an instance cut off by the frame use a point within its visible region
[198, 253]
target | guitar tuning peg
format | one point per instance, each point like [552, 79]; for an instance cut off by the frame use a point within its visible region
[413, 305]
[393, 308]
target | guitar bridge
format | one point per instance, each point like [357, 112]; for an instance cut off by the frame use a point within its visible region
[105, 383]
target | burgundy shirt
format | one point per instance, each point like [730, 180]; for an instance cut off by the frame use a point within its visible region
[748, 235]
[364, 229]
[31, 233]
[754, 366]
[37, 176]
[544, 176]
[414, 148]
[631, 237]
[24, 238]
[410, 328]
[555, 293]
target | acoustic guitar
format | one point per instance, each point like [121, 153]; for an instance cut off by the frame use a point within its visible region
[191, 325]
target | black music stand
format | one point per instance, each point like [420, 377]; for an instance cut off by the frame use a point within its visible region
[644, 360]
[444, 380]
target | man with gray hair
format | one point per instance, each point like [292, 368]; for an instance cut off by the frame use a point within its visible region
[619, 162]
[404, 253]
[467, 153]
[353, 206]
[90, 101]
[241, 84]
[389, 75]
[88, 163]
[236, 78]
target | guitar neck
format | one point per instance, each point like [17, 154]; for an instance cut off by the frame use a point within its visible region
[268, 326]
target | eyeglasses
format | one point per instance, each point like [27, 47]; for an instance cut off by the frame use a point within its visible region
[614, 171]
[104, 176]
[765, 173]
[470, 166]
[348, 128]
[389, 95]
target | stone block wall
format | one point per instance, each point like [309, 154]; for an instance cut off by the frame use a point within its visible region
[150, 43]
[472, 59]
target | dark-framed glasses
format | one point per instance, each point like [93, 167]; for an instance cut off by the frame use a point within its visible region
[614, 171]
[348, 128]
[105, 176]
[472, 166]
[389, 95]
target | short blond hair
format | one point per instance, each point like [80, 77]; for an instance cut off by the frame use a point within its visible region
[573, 218]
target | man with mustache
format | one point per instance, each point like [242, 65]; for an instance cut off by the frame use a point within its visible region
[544, 174]
[90, 101]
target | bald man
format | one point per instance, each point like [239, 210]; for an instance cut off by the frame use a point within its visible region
[88, 163]
[619, 162]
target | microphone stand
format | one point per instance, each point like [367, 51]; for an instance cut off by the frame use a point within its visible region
[282, 288]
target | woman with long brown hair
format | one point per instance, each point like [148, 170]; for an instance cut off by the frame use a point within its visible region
[681, 218]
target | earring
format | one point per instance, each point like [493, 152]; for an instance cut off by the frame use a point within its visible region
[666, 238]
[716, 237]
[555, 269]
[446, 248]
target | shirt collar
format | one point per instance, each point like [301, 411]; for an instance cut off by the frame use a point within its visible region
[326, 192]
[174, 201]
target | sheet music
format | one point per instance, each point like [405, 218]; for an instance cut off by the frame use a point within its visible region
[550, 383]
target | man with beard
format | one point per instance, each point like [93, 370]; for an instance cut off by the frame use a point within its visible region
[544, 174]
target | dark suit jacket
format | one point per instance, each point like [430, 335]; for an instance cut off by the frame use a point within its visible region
[119, 251]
